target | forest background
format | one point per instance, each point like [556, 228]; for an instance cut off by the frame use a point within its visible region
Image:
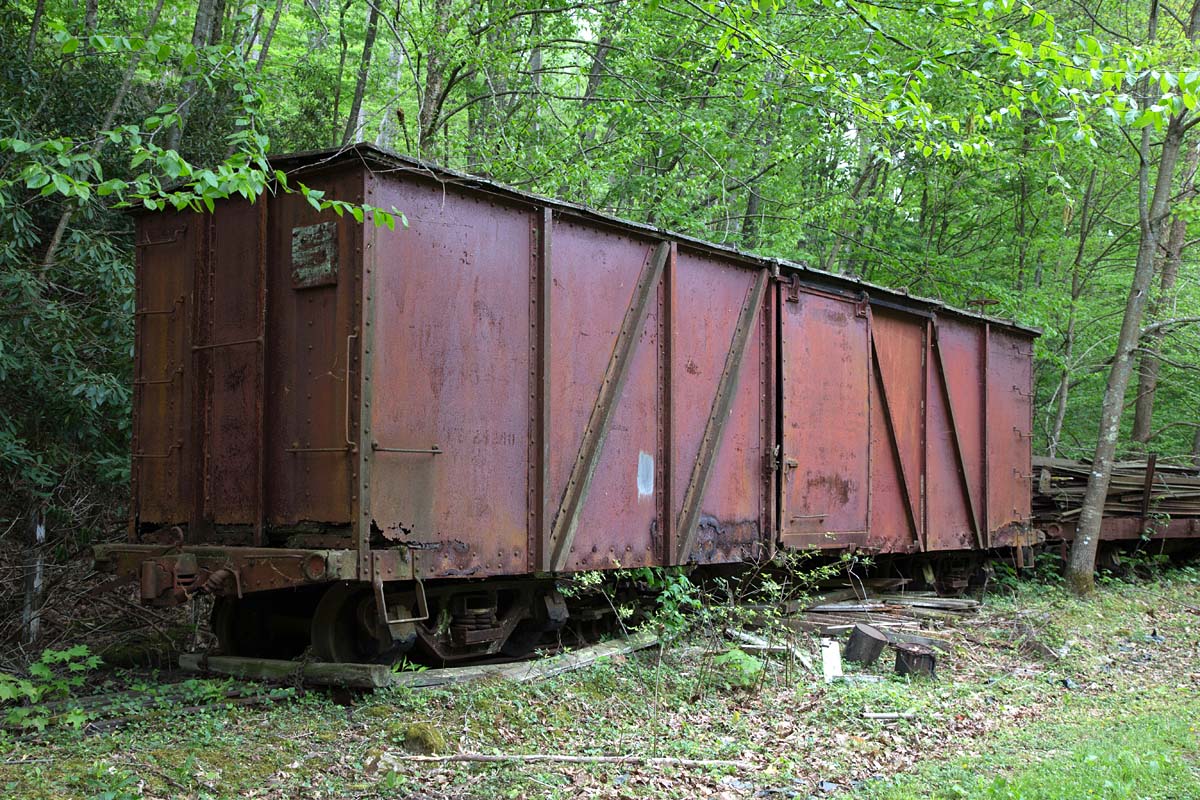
[1003, 156]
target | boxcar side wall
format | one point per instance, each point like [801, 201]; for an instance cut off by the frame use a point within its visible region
[903, 431]
[548, 393]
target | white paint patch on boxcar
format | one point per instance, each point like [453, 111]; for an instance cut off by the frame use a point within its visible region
[645, 476]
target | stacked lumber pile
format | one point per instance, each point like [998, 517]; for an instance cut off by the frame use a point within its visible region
[900, 617]
[1059, 485]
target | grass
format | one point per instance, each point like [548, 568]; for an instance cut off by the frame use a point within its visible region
[1147, 748]
[1116, 717]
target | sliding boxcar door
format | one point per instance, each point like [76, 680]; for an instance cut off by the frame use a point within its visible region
[825, 348]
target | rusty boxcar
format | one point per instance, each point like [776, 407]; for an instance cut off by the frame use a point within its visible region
[360, 438]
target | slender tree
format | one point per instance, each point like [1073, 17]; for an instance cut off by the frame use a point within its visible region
[1149, 363]
[364, 69]
[1154, 201]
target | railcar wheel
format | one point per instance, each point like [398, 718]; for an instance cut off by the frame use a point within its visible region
[345, 627]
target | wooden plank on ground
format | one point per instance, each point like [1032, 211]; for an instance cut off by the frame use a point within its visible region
[378, 676]
[317, 673]
[528, 670]
[943, 603]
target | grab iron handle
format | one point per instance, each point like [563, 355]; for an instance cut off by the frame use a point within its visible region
[433, 451]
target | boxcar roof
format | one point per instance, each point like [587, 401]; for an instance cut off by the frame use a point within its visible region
[379, 160]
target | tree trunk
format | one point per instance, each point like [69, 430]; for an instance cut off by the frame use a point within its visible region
[109, 118]
[864, 185]
[344, 48]
[750, 218]
[1148, 363]
[38, 12]
[364, 70]
[916, 660]
[865, 645]
[1064, 383]
[270, 34]
[1022, 205]
[90, 15]
[360, 86]
[1152, 211]
[202, 31]
[434, 93]
[218, 23]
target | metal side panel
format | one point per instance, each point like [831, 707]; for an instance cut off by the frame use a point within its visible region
[604, 393]
[721, 394]
[955, 490]
[897, 520]
[825, 345]
[167, 251]
[1009, 428]
[313, 293]
[448, 351]
[228, 356]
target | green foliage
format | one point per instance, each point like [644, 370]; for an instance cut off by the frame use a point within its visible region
[53, 677]
[404, 665]
[677, 597]
[737, 669]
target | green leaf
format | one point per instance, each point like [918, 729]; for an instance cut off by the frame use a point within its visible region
[36, 180]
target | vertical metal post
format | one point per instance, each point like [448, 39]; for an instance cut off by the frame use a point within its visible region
[135, 466]
[358, 375]
[782, 398]
[540, 368]
[987, 469]
[260, 397]
[871, 478]
[665, 479]
[34, 577]
[1148, 487]
[926, 376]
[200, 360]
[766, 423]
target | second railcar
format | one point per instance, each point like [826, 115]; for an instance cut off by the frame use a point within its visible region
[361, 438]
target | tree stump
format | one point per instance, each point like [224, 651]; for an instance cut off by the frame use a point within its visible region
[915, 659]
[865, 645]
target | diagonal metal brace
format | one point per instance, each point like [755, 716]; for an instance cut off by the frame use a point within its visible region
[566, 522]
[960, 458]
[910, 505]
[721, 407]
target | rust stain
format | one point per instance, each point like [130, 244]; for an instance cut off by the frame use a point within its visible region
[834, 486]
